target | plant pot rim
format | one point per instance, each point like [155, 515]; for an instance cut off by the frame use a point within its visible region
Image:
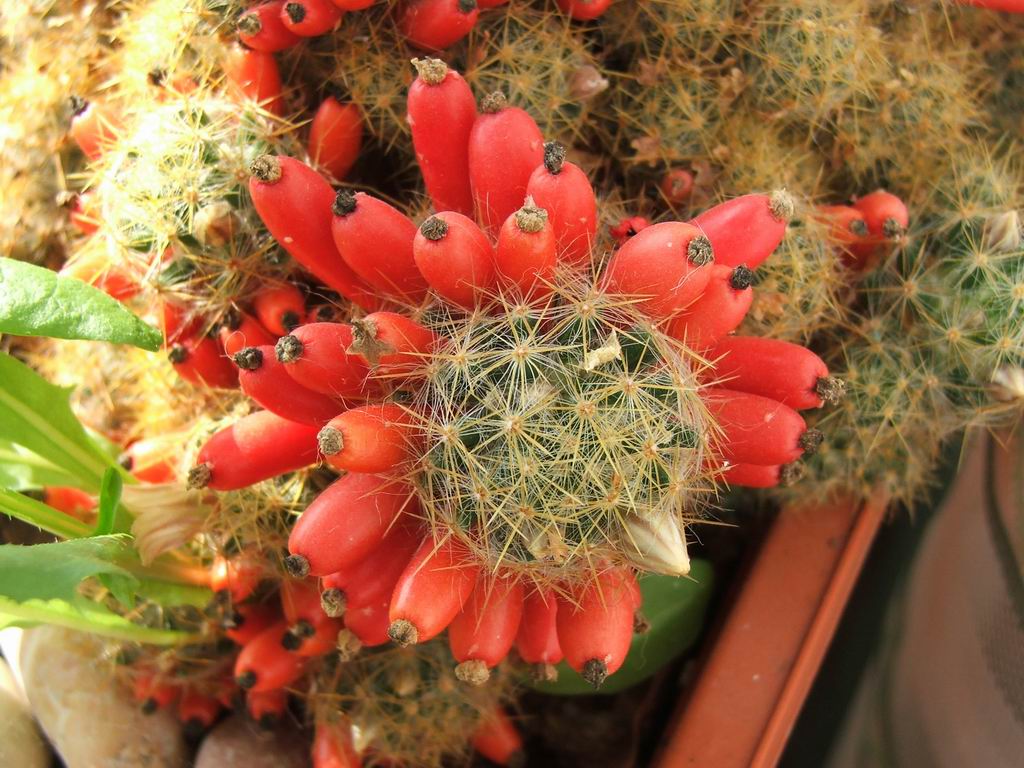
[753, 681]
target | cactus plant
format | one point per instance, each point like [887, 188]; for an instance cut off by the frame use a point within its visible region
[528, 403]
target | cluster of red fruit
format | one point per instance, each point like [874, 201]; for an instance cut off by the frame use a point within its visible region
[363, 536]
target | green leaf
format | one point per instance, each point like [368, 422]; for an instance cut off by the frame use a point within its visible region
[37, 415]
[110, 497]
[40, 515]
[54, 571]
[169, 594]
[675, 609]
[88, 617]
[35, 301]
[20, 469]
[40, 585]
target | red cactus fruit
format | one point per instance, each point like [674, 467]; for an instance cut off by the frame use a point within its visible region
[257, 447]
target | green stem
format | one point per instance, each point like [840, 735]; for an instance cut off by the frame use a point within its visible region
[122, 630]
[177, 570]
[90, 468]
[40, 515]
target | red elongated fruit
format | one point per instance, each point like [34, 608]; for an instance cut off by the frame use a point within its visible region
[264, 664]
[71, 501]
[199, 360]
[497, 739]
[335, 137]
[300, 601]
[431, 591]
[238, 576]
[526, 254]
[584, 10]
[265, 380]
[746, 230]
[669, 263]
[1010, 6]
[369, 623]
[487, 4]
[849, 231]
[627, 228]
[375, 240]
[752, 475]
[505, 146]
[197, 711]
[294, 202]
[595, 625]
[441, 111]
[372, 580]
[323, 313]
[676, 186]
[226, 690]
[176, 321]
[256, 76]
[481, 635]
[262, 29]
[310, 18]
[280, 308]
[153, 692]
[333, 747]
[266, 707]
[249, 619]
[537, 640]
[345, 523]
[885, 214]
[718, 311]
[759, 430]
[370, 438]
[153, 459]
[391, 343]
[310, 639]
[316, 356]
[758, 476]
[85, 213]
[257, 447]
[94, 126]
[564, 191]
[95, 270]
[777, 369]
[455, 257]
[353, 5]
[848, 226]
[433, 25]
[240, 331]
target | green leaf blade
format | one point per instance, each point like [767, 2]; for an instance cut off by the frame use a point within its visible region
[110, 497]
[35, 301]
[90, 618]
[40, 515]
[22, 470]
[37, 415]
[54, 571]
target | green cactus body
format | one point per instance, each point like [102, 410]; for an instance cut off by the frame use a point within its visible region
[552, 428]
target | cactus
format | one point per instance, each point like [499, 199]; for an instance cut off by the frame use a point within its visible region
[566, 438]
[553, 429]
[806, 59]
[177, 222]
[42, 62]
[540, 58]
[800, 289]
[939, 335]
[404, 705]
